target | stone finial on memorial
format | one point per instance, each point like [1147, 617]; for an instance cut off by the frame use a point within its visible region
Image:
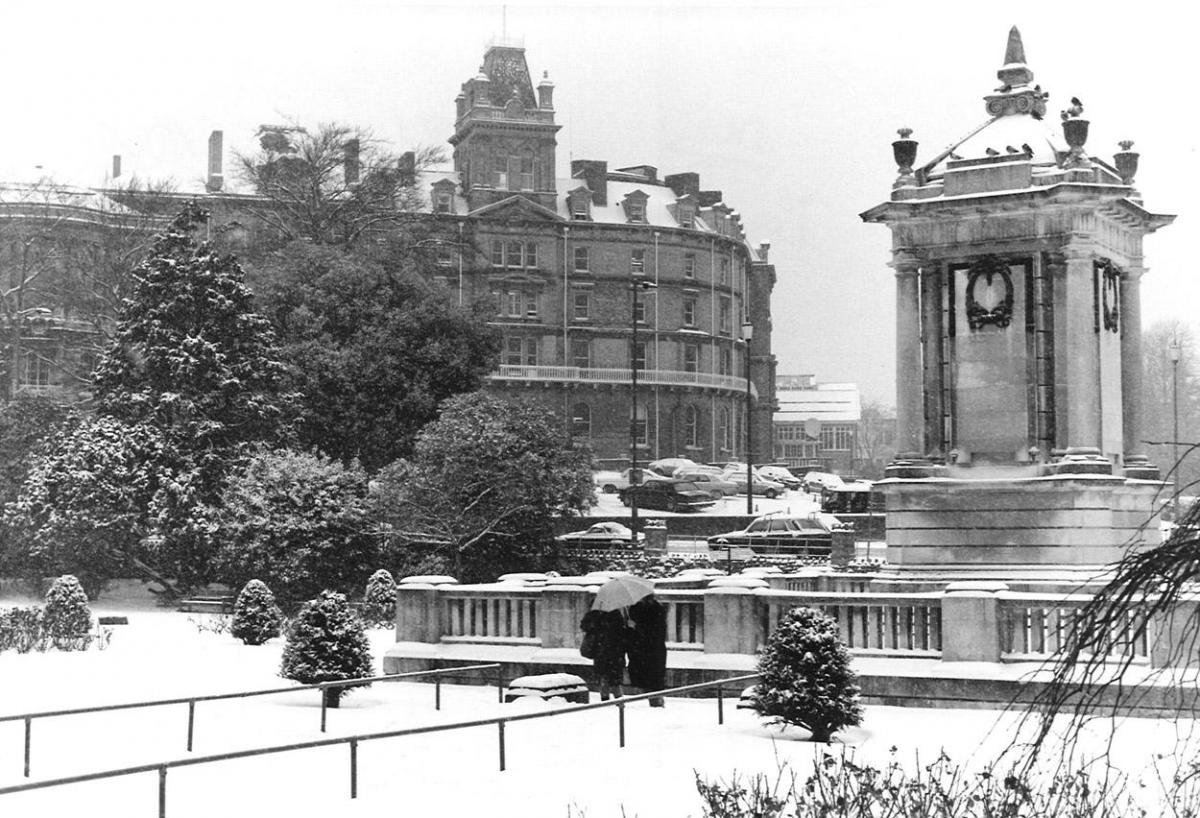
[1126, 161]
[904, 150]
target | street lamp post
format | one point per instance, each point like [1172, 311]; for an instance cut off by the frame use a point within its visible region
[1173, 354]
[747, 334]
[638, 285]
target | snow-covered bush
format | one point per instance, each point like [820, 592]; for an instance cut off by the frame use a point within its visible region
[326, 642]
[805, 677]
[23, 630]
[256, 617]
[379, 601]
[68, 619]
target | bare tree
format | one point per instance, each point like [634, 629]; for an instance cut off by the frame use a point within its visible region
[875, 441]
[332, 184]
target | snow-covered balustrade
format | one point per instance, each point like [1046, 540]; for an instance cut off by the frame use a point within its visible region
[1034, 626]
[489, 613]
[685, 619]
[869, 623]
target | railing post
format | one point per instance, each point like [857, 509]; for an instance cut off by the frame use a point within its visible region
[162, 792]
[418, 613]
[720, 705]
[437, 691]
[731, 623]
[500, 725]
[191, 722]
[499, 684]
[971, 621]
[561, 608]
[621, 722]
[28, 741]
[354, 768]
[321, 690]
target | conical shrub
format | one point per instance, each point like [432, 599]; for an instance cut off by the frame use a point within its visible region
[326, 642]
[805, 677]
[68, 619]
[256, 617]
[379, 601]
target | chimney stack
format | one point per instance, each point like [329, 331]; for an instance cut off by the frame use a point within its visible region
[216, 177]
[594, 174]
[116, 166]
[350, 165]
[683, 183]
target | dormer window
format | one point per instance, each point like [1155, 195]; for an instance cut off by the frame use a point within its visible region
[443, 197]
[635, 207]
[579, 202]
[687, 217]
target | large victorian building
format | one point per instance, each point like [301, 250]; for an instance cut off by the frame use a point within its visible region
[594, 272]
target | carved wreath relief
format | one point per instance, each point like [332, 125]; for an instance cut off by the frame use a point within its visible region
[1110, 294]
[992, 312]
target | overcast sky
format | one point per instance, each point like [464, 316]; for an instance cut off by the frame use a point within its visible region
[789, 109]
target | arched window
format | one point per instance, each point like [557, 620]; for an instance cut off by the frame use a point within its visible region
[691, 426]
[723, 427]
[581, 420]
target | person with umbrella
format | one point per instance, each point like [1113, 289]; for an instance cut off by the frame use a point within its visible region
[605, 628]
[647, 646]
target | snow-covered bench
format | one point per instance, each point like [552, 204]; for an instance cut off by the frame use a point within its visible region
[548, 686]
[207, 604]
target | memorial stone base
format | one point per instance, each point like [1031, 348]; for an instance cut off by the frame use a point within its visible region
[991, 526]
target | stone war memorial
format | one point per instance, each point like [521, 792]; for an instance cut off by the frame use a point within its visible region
[1017, 256]
[1018, 263]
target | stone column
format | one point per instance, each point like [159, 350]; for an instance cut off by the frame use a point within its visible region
[931, 350]
[1077, 361]
[1132, 387]
[910, 418]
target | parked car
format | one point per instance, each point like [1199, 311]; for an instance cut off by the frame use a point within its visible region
[762, 486]
[668, 495]
[606, 534]
[610, 482]
[850, 498]
[710, 481]
[669, 465]
[808, 534]
[817, 481]
[780, 475]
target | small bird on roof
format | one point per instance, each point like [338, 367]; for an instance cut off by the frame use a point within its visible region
[1076, 108]
[954, 155]
[1004, 89]
[1025, 147]
[1010, 149]
[992, 152]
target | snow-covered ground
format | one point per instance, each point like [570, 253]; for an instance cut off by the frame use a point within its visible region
[556, 767]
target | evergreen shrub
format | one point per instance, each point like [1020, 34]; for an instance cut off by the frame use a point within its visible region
[256, 617]
[379, 601]
[805, 677]
[23, 630]
[326, 642]
[67, 618]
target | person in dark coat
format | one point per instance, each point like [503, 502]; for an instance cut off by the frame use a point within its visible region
[648, 647]
[608, 629]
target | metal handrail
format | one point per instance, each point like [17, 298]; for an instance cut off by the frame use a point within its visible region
[190, 701]
[353, 741]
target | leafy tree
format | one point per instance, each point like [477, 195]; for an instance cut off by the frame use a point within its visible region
[374, 345]
[379, 601]
[256, 617]
[325, 643]
[486, 481]
[298, 521]
[67, 616]
[331, 184]
[805, 677]
[87, 503]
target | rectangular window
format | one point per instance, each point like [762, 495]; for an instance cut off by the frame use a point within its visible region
[500, 173]
[637, 211]
[512, 254]
[582, 303]
[582, 260]
[445, 256]
[726, 361]
[527, 173]
[579, 208]
[691, 358]
[443, 202]
[724, 311]
[531, 352]
[639, 313]
[724, 272]
[637, 262]
[513, 304]
[686, 217]
[639, 355]
[837, 437]
[531, 305]
[497, 253]
[531, 259]
[514, 351]
[514, 173]
[581, 354]
[36, 371]
[689, 265]
[689, 312]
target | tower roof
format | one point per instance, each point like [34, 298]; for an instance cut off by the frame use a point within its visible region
[505, 66]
